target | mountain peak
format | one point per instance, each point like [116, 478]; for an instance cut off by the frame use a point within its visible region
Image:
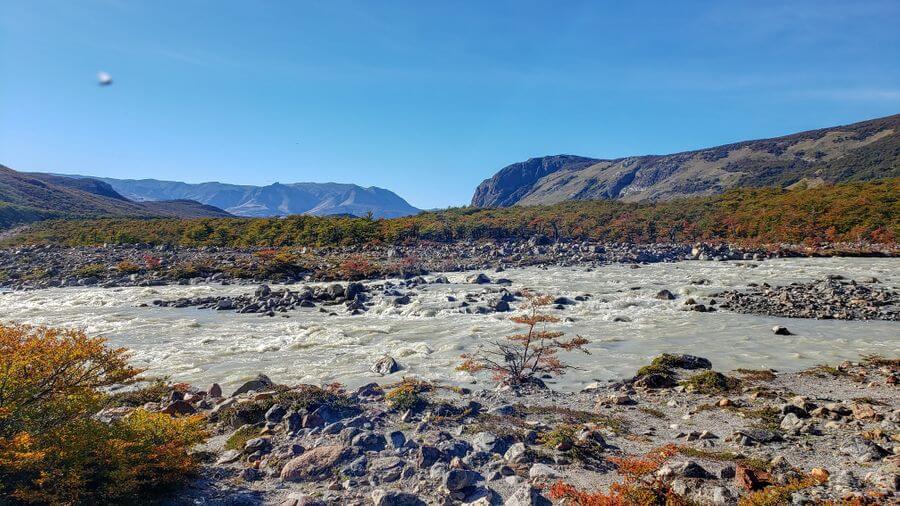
[276, 199]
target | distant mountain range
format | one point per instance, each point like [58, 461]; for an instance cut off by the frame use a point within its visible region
[273, 200]
[28, 197]
[857, 152]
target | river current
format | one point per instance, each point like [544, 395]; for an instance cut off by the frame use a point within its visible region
[428, 335]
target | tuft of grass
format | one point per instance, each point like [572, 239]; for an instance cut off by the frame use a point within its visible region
[407, 395]
[766, 417]
[90, 270]
[824, 371]
[869, 400]
[776, 495]
[757, 374]
[502, 426]
[710, 382]
[653, 369]
[302, 397]
[238, 439]
[564, 438]
[156, 391]
[757, 464]
[879, 361]
[574, 416]
[653, 412]
[666, 360]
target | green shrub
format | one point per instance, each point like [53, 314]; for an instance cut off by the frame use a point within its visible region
[710, 382]
[299, 398]
[238, 439]
[90, 271]
[407, 395]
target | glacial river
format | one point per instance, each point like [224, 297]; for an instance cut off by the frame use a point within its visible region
[428, 335]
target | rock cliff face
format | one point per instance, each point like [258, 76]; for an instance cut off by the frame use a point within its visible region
[861, 151]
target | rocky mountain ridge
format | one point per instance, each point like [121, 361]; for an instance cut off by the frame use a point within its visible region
[276, 199]
[30, 197]
[861, 151]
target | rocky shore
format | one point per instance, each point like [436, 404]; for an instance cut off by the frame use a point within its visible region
[36, 267]
[355, 298]
[826, 434]
[832, 298]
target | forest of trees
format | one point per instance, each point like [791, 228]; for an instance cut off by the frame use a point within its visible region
[848, 212]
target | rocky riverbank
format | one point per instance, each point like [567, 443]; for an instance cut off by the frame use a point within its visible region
[144, 265]
[826, 434]
[832, 298]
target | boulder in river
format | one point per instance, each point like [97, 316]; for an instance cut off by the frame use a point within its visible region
[261, 382]
[665, 295]
[478, 279]
[385, 365]
[781, 331]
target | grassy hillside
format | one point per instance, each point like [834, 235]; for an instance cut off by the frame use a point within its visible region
[840, 213]
[861, 151]
[26, 198]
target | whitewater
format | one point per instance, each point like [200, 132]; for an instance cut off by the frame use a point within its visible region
[625, 323]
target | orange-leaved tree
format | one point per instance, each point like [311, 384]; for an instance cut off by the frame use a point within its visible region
[522, 358]
[52, 448]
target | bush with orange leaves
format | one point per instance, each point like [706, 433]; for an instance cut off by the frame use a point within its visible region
[522, 358]
[640, 486]
[356, 267]
[52, 449]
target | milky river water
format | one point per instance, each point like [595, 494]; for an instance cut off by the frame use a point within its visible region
[428, 335]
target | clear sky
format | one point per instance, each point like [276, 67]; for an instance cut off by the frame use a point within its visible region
[425, 98]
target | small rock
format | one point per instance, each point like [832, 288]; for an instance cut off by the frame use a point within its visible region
[542, 471]
[276, 413]
[478, 279]
[526, 495]
[517, 454]
[458, 479]
[179, 408]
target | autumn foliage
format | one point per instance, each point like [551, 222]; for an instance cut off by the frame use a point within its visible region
[357, 267]
[850, 212]
[522, 358]
[639, 487]
[53, 450]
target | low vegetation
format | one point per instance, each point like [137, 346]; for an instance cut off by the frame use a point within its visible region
[710, 382]
[301, 397]
[522, 358]
[779, 494]
[52, 448]
[848, 212]
[639, 485]
[407, 395]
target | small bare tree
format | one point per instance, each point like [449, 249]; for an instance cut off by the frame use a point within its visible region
[520, 359]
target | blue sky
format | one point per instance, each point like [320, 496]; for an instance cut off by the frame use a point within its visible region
[424, 98]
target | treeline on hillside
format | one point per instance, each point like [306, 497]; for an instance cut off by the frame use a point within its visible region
[850, 212]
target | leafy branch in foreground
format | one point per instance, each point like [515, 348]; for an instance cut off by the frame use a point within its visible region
[522, 358]
[54, 450]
